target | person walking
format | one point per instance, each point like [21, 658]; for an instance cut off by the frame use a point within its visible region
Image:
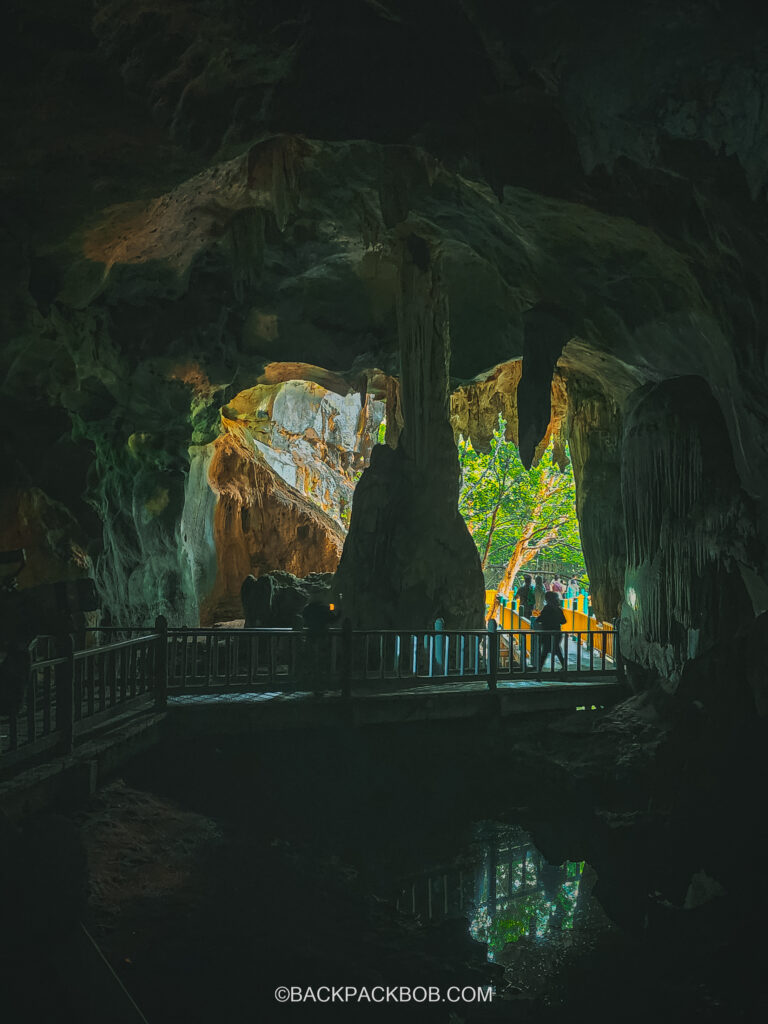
[539, 593]
[550, 622]
[525, 596]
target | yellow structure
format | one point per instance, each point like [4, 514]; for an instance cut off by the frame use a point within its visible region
[576, 620]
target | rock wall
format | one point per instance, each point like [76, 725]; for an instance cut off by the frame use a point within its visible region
[274, 491]
[54, 544]
[260, 524]
[316, 440]
[594, 429]
[691, 531]
[476, 407]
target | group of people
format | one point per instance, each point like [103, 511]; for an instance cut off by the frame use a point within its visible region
[533, 595]
[547, 603]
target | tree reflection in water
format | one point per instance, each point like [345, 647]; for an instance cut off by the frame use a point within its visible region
[526, 910]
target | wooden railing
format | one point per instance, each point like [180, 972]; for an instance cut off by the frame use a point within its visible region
[578, 620]
[67, 693]
[57, 697]
[207, 660]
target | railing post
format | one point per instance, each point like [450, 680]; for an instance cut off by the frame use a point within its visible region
[65, 693]
[161, 662]
[493, 653]
[346, 658]
[440, 649]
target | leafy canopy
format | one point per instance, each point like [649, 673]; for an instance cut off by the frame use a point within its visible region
[516, 514]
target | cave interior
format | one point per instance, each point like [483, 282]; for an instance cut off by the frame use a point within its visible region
[258, 258]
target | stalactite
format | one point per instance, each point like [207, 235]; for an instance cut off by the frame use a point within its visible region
[272, 173]
[475, 407]
[409, 557]
[246, 250]
[422, 312]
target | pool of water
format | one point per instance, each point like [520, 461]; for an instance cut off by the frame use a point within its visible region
[532, 916]
[383, 858]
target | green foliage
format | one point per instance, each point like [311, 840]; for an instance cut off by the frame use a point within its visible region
[501, 502]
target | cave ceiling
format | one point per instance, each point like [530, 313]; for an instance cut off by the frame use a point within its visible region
[199, 191]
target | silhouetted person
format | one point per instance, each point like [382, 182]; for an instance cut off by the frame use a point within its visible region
[539, 593]
[318, 617]
[551, 618]
[257, 596]
[525, 596]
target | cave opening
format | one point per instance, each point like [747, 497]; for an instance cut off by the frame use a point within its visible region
[280, 480]
[315, 443]
[524, 524]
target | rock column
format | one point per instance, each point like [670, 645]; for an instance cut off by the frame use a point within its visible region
[409, 558]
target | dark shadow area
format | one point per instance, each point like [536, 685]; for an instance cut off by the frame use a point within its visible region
[237, 867]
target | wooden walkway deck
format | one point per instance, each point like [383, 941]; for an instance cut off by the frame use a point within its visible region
[231, 679]
[237, 712]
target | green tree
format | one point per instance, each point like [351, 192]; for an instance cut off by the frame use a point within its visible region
[515, 514]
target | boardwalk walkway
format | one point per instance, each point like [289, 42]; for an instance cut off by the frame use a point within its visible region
[287, 678]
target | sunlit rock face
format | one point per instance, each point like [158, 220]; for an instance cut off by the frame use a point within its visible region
[317, 441]
[282, 475]
[476, 407]
[260, 523]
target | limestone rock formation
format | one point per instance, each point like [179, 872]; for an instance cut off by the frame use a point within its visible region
[409, 558]
[198, 193]
[595, 429]
[476, 407]
[261, 523]
[278, 598]
[53, 543]
[274, 490]
[316, 440]
[690, 529]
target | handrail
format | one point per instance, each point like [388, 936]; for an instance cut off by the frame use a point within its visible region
[331, 630]
[70, 694]
[73, 692]
[94, 652]
[337, 630]
[48, 663]
[214, 631]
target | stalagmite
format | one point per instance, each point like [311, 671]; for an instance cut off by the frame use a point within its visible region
[408, 557]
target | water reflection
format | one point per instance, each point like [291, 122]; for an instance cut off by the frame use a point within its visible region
[504, 888]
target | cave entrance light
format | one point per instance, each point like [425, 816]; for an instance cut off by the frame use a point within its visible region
[522, 521]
